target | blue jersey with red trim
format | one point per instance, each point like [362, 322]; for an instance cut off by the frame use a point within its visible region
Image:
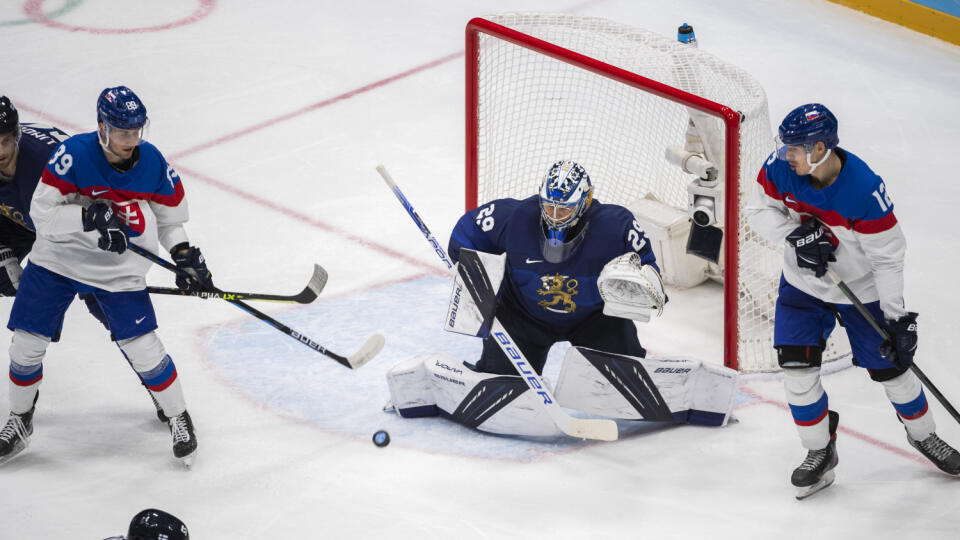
[557, 295]
[857, 210]
[148, 197]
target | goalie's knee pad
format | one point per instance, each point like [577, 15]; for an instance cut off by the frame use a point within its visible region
[799, 356]
[28, 349]
[619, 386]
[436, 383]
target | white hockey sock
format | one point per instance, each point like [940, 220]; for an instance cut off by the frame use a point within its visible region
[808, 405]
[26, 369]
[906, 394]
[171, 399]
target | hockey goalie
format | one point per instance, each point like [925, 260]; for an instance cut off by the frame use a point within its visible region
[557, 266]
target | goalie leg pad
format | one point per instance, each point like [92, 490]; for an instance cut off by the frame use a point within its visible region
[436, 383]
[631, 388]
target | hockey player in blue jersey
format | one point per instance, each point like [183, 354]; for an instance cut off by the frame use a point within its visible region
[24, 151]
[557, 266]
[97, 190]
[557, 243]
[834, 212]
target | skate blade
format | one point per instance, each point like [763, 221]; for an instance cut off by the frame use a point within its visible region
[825, 481]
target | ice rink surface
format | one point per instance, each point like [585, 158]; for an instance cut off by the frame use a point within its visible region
[275, 114]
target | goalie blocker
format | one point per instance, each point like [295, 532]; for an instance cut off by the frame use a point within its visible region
[595, 382]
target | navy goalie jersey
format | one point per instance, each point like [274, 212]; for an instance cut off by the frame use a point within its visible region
[557, 295]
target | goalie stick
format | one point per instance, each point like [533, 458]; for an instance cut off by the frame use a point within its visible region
[367, 351]
[883, 334]
[316, 284]
[474, 276]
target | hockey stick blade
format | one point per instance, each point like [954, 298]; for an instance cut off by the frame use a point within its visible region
[310, 293]
[367, 351]
[598, 429]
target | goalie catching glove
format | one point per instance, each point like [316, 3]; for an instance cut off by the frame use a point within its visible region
[631, 289]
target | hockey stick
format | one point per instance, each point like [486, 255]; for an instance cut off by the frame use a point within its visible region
[586, 428]
[316, 284]
[414, 216]
[367, 351]
[886, 336]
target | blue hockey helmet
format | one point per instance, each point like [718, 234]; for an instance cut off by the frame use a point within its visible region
[805, 126]
[152, 524]
[119, 107]
[565, 195]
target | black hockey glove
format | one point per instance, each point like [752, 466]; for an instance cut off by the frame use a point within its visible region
[100, 217]
[10, 271]
[191, 261]
[813, 245]
[902, 344]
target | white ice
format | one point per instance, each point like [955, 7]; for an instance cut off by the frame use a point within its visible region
[276, 114]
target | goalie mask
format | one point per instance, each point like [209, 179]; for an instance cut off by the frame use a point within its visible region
[565, 195]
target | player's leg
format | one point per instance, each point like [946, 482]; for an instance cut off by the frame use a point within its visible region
[533, 339]
[35, 319]
[801, 325]
[94, 308]
[903, 389]
[131, 317]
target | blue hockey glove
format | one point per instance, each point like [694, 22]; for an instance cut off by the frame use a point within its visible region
[813, 245]
[100, 217]
[191, 261]
[902, 345]
[10, 271]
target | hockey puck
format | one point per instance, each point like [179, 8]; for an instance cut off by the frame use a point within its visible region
[381, 438]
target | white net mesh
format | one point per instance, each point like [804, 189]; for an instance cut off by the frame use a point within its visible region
[534, 109]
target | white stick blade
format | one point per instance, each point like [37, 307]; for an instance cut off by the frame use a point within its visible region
[319, 279]
[367, 351]
[597, 429]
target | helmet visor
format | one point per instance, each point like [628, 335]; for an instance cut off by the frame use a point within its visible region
[788, 152]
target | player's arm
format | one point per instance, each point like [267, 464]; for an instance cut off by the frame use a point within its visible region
[479, 229]
[885, 246]
[55, 207]
[766, 211]
[169, 205]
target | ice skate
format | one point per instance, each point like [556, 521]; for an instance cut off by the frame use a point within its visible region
[15, 436]
[816, 471]
[184, 438]
[941, 454]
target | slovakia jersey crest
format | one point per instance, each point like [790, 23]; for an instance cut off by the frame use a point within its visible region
[132, 215]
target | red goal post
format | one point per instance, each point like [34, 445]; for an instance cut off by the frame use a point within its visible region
[590, 75]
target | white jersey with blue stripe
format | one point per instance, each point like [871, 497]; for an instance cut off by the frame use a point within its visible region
[857, 210]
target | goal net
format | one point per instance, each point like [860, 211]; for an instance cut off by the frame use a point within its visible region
[547, 86]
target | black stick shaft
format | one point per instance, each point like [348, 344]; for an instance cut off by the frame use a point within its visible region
[883, 334]
[227, 295]
[156, 259]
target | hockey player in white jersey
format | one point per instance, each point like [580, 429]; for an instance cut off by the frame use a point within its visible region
[98, 190]
[833, 211]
